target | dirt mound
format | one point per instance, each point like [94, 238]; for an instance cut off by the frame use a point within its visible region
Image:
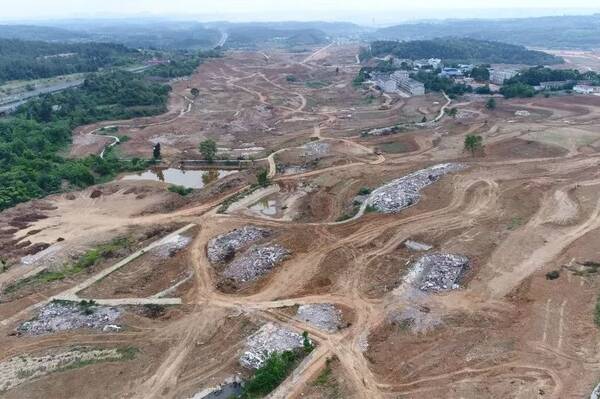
[519, 148]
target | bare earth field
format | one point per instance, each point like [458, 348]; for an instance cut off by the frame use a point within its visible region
[181, 290]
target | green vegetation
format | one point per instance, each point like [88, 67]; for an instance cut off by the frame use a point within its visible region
[30, 141]
[208, 149]
[156, 151]
[262, 178]
[275, 369]
[515, 222]
[370, 209]
[513, 90]
[123, 354]
[307, 343]
[451, 112]
[473, 143]
[87, 307]
[361, 77]
[181, 190]
[434, 82]
[480, 73]
[553, 275]
[364, 191]
[536, 75]
[483, 90]
[491, 103]
[234, 198]
[463, 50]
[25, 60]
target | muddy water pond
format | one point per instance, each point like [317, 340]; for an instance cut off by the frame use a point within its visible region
[181, 177]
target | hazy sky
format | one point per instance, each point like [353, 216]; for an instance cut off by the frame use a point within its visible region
[291, 9]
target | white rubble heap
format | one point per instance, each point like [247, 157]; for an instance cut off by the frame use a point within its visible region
[316, 148]
[596, 393]
[417, 246]
[438, 272]
[223, 247]
[255, 262]
[324, 316]
[404, 192]
[171, 245]
[63, 316]
[268, 339]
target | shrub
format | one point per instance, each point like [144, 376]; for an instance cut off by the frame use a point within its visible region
[553, 275]
[275, 369]
[181, 190]
[364, 191]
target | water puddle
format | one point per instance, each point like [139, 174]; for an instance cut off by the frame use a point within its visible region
[181, 177]
[266, 207]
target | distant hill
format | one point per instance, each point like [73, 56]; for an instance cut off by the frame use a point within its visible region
[251, 36]
[580, 32]
[463, 50]
[45, 33]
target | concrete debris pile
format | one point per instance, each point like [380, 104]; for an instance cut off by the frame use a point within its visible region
[48, 256]
[316, 149]
[522, 113]
[64, 316]
[255, 262]
[438, 272]
[324, 316]
[169, 246]
[223, 248]
[405, 191]
[384, 131]
[267, 340]
[596, 393]
[417, 246]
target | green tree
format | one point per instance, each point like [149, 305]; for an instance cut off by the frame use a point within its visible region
[306, 342]
[491, 103]
[473, 143]
[424, 119]
[208, 149]
[195, 92]
[156, 151]
[451, 112]
[262, 177]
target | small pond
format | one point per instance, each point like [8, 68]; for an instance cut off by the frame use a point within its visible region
[181, 177]
[266, 207]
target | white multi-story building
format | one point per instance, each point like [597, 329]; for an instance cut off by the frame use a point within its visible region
[498, 76]
[586, 89]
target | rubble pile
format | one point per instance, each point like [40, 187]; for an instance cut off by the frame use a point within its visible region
[439, 272]
[63, 316]
[267, 340]
[255, 261]
[321, 315]
[404, 192]
[316, 149]
[222, 248]
[169, 246]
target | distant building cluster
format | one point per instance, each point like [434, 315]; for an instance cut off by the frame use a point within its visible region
[398, 80]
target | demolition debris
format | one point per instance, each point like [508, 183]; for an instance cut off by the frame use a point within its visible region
[405, 191]
[267, 340]
[223, 248]
[437, 272]
[255, 262]
[64, 316]
[324, 316]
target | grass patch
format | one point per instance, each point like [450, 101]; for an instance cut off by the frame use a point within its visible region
[87, 260]
[181, 190]
[515, 223]
[275, 369]
[123, 354]
[393, 147]
[364, 191]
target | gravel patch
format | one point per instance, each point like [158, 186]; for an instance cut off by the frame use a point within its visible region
[324, 316]
[64, 316]
[268, 339]
[223, 248]
[255, 262]
[405, 191]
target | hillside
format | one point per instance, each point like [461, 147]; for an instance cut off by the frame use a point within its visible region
[548, 32]
[20, 59]
[250, 36]
[452, 50]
